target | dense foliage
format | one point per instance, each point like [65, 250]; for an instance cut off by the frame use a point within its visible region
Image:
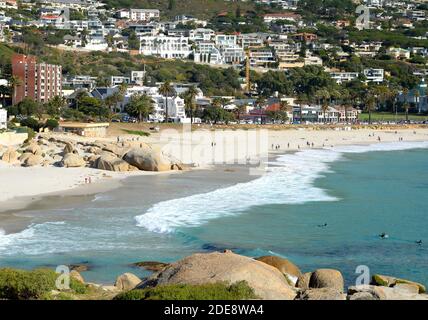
[216, 291]
[24, 285]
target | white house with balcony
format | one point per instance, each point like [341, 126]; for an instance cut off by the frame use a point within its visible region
[201, 34]
[207, 52]
[165, 46]
[138, 14]
[341, 77]
[176, 107]
[374, 75]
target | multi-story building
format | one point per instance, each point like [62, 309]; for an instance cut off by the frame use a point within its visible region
[207, 52]
[38, 81]
[138, 14]
[165, 47]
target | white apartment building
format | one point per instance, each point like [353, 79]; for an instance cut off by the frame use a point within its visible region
[207, 52]
[341, 77]
[117, 80]
[201, 34]
[226, 40]
[138, 14]
[261, 57]
[176, 107]
[137, 77]
[165, 47]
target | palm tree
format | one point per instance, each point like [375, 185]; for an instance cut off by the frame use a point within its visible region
[55, 106]
[417, 100]
[324, 109]
[190, 96]
[14, 83]
[260, 102]
[370, 104]
[140, 105]
[239, 110]
[166, 90]
[346, 102]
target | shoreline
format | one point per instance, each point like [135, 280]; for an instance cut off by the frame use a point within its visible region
[11, 209]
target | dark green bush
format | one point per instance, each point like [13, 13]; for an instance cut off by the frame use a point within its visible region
[213, 291]
[51, 124]
[30, 123]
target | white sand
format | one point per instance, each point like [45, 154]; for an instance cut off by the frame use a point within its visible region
[17, 182]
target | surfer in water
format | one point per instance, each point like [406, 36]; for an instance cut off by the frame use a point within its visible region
[383, 235]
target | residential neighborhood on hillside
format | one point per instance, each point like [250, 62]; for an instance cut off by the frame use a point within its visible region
[269, 53]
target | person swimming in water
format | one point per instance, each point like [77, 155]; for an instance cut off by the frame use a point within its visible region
[322, 225]
[419, 242]
[383, 235]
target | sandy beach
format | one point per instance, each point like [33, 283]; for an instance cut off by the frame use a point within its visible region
[202, 148]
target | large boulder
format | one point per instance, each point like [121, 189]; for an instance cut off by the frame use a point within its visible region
[151, 265]
[267, 281]
[72, 160]
[69, 148]
[322, 294]
[288, 269]
[371, 292]
[118, 151]
[112, 163]
[31, 160]
[127, 281]
[326, 278]
[10, 155]
[388, 281]
[303, 281]
[149, 159]
[34, 149]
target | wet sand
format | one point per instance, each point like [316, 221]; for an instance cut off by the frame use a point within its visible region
[146, 190]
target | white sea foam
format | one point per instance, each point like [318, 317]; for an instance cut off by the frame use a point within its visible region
[289, 182]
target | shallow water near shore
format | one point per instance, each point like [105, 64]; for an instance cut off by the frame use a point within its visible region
[358, 193]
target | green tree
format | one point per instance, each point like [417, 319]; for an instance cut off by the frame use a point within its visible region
[189, 100]
[167, 91]
[140, 106]
[55, 106]
[27, 107]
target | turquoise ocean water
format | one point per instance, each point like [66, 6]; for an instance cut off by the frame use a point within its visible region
[358, 192]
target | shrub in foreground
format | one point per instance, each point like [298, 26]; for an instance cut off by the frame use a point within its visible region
[37, 284]
[213, 291]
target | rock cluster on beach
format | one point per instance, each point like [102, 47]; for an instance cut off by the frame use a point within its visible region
[67, 153]
[268, 277]
[273, 277]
